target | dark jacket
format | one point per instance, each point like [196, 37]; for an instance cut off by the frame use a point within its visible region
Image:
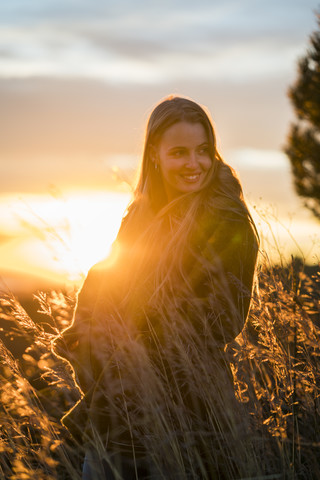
[212, 287]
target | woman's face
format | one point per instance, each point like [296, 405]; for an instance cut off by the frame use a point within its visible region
[183, 158]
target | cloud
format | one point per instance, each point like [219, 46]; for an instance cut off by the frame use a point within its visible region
[144, 43]
[43, 52]
[260, 160]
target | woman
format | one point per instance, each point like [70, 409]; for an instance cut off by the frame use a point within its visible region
[147, 343]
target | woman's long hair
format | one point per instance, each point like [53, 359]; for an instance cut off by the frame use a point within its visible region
[150, 217]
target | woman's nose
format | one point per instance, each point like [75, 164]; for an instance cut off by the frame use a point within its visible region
[192, 160]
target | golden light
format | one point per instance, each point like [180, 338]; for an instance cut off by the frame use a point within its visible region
[59, 237]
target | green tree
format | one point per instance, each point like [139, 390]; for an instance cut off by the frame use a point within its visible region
[303, 142]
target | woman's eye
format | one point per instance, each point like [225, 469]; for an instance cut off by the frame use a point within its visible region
[203, 150]
[177, 153]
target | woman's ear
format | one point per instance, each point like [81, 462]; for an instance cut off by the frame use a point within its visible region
[153, 153]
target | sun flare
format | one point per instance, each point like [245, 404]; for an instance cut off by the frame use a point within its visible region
[64, 236]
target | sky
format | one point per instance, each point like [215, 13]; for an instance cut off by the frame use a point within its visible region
[78, 79]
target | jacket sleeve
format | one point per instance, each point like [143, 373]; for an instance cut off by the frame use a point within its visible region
[223, 273]
[86, 344]
[75, 344]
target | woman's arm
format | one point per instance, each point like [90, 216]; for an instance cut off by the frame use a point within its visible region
[75, 344]
[223, 272]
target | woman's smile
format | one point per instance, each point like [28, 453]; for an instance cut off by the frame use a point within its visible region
[191, 178]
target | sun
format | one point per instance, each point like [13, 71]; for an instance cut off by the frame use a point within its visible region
[62, 237]
[91, 223]
[89, 226]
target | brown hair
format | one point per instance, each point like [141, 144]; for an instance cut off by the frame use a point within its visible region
[221, 187]
[150, 214]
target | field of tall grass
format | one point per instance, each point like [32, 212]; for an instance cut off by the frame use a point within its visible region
[264, 423]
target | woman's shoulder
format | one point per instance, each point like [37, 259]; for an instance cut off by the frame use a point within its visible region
[223, 229]
[211, 219]
[94, 280]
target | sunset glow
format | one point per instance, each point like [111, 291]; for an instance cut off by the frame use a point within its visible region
[59, 237]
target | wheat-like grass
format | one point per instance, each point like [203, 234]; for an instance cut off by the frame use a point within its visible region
[178, 399]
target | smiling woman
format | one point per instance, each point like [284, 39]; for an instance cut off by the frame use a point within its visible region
[180, 282]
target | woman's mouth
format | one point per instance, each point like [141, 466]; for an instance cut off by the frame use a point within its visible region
[191, 178]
